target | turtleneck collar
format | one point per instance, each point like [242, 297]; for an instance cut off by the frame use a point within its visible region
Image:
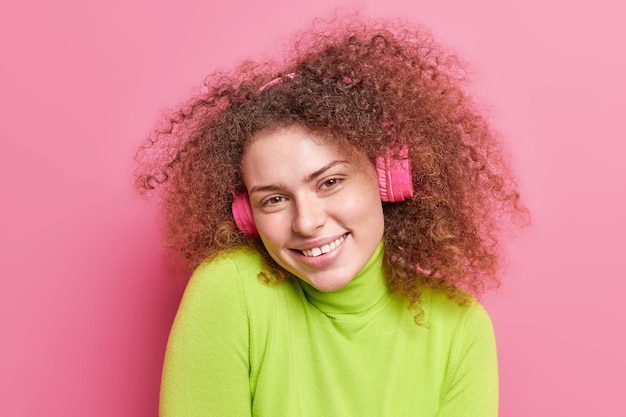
[361, 294]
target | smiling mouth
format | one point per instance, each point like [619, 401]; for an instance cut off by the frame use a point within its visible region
[314, 252]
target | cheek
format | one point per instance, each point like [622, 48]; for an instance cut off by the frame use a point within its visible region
[373, 208]
[271, 229]
[365, 206]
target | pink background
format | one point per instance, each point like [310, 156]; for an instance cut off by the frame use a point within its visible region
[86, 302]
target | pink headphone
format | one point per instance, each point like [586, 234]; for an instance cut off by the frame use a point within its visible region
[394, 183]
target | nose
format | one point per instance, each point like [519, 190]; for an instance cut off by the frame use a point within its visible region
[310, 216]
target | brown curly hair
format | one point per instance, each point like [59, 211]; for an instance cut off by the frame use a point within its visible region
[378, 84]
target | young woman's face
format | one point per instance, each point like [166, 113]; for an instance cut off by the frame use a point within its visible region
[317, 209]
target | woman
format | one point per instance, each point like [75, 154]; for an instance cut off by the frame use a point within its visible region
[338, 208]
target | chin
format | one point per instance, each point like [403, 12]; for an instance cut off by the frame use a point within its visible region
[327, 283]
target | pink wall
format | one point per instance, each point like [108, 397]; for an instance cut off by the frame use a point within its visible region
[85, 302]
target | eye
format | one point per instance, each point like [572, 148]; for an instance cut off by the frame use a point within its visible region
[330, 183]
[273, 200]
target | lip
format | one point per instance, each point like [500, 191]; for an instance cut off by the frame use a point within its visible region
[324, 259]
[317, 243]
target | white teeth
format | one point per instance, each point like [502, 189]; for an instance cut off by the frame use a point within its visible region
[324, 248]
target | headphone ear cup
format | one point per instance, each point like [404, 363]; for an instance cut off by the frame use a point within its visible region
[395, 181]
[242, 212]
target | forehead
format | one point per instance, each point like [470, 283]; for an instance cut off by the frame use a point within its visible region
[296, 137]
[292, 151]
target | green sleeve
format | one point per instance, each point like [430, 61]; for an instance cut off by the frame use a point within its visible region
[472, 382]
[206, 364]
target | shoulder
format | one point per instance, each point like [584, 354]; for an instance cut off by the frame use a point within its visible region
[236, 261]
[223, 281]
[228, 269]
[231, 279]
[460, 324]
[439, 308]
[465, 329]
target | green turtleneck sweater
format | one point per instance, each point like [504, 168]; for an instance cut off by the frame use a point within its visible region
[239, 347]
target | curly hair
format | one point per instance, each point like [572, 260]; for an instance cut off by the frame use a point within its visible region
[378, 84]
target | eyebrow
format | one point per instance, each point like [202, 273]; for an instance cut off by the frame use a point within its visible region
[323, 169]
[312, 176]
